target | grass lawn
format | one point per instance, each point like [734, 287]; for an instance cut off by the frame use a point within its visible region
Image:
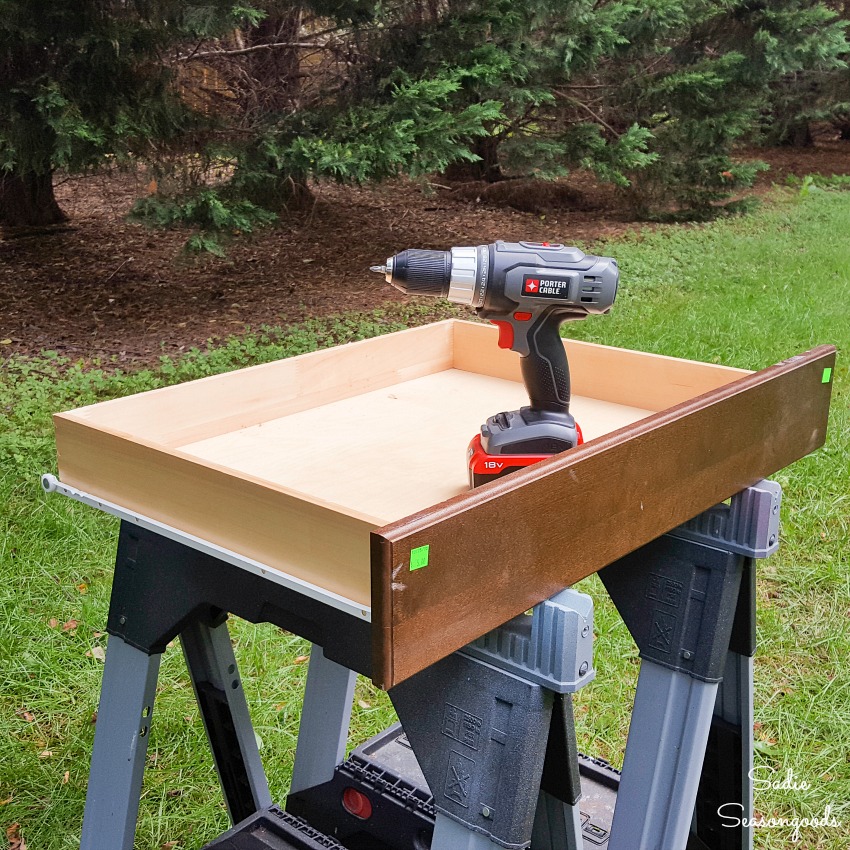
[745, 292]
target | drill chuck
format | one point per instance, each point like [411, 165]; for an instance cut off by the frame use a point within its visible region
[419, 272]
[458, 275]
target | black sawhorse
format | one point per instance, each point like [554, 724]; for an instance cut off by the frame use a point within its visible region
[688, 599]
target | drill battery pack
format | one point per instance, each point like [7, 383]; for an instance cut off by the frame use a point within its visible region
[484, 467]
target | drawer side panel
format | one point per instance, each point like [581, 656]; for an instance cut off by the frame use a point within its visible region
[306, 540]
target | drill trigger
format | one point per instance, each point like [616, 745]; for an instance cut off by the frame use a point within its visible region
[506, 333]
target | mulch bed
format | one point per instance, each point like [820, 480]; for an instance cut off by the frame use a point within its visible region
[105, 288]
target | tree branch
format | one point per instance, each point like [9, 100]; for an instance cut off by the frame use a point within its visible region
[257, 47]
[598, 118]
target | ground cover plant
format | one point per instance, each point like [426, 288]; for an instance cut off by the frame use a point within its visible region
[744, 292]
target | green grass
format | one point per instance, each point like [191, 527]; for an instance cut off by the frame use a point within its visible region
[744, 292]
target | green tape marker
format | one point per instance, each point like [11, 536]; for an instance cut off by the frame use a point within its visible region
[827, 375]
[419, 557]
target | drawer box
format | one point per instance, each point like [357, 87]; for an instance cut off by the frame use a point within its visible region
[333, 466]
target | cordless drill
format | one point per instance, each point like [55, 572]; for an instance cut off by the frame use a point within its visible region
[527, 289]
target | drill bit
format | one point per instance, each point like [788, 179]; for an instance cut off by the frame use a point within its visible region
[378, 269]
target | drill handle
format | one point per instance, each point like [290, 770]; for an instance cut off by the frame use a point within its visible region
[544, 369]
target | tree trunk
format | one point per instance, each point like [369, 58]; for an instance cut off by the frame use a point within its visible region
[798, 135]
[27, 200]
[262, 183]
[485, 168]
[274, 73]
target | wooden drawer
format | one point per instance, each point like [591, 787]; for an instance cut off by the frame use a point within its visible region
[335, 465]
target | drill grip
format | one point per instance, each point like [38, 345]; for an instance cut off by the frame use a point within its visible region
[544, 369]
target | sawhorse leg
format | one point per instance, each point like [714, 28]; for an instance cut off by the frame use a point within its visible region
[673, 719]
[325, 716]
[120, 745]
[493, 730]
[557, 825]
[123, 724]
[161, 590]
[224, 710]
[557, 819]
[731, 748]
[664, 754]
[678, 598]
[727, 779]
[449, 833]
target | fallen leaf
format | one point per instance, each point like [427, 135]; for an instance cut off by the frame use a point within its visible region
[174, 792]
[70, 625]
[66, 777]
[302, 658]
[5, 341]
[169, 845]
[97, 652]
[363, 704]
[280, 706]
[97, 634]
[14, 837]
[53, 622]
[25, 715]
[7, 800]
[83, 587]
[45, 754]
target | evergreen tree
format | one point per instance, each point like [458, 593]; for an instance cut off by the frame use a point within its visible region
[341, 110]
[86, 78]
[527, 53]
[652, 95]
[723, 65]
[817, 93]
[282, 97]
